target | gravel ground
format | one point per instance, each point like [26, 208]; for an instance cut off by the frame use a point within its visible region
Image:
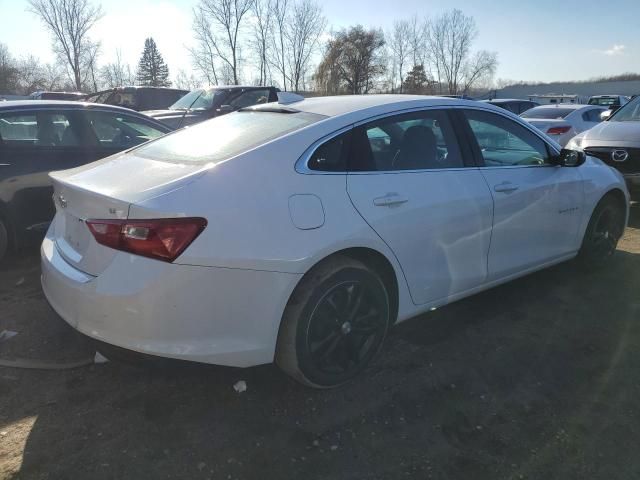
[535, 379]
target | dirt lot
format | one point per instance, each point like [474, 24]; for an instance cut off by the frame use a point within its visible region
[537, 379]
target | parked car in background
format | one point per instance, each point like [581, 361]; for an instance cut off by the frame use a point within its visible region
[612, 102]
[617, 143]
[563, 121]
[301, 233]
[205, 103]
[37, 137]
[57, 96]
[513, 105]
[138, 98]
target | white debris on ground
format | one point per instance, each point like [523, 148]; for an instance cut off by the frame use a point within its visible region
[99, 358]
[240, 386]
[20, 281]
[7, 334]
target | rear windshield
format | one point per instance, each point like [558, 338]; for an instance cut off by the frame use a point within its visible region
[604, 101]
[547, 112]
[224, 137]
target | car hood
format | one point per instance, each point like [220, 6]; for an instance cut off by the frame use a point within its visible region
[627, 132]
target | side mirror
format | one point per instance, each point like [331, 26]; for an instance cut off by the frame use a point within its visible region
[604, 116]
[226, 109]
[569, 158]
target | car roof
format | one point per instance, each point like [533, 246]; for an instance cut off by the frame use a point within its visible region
[67, 104]
[570, 106]
[346, 104]
[506, 100]
[27, 105]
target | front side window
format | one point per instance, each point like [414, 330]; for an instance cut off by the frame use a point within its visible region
[42, 129]
[413, 141]
[119, 131]
[503, 142]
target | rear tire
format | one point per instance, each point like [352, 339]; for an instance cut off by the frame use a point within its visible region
[605, 229]
[335, 323]
[4, 240]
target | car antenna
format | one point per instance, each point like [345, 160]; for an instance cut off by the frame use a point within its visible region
[189, 109]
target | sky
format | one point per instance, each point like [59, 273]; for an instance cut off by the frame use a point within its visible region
[541, 40]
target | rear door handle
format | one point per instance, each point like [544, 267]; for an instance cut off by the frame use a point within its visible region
[505, 187]
[390, 199]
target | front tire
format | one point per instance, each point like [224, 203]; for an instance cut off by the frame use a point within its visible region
[605, 229]
[335, 323]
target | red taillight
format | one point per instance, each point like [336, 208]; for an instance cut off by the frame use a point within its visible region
[558, 130]
[162, 239]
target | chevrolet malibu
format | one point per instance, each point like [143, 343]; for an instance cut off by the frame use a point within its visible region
[301, 233]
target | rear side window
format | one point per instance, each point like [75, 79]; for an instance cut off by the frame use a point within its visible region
[249, 98]
[121, 131]
[503, 142]
[41, 129]
[331, 156]
[413, 141]
[226, 136]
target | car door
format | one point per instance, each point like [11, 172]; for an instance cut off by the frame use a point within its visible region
[536, 204]
[36, 142]
[413, 184]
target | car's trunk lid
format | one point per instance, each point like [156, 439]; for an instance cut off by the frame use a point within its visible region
[106, 190]
[546, 123]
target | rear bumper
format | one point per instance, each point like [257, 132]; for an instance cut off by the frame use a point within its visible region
[213, 315]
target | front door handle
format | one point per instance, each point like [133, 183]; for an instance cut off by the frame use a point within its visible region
[390, 199]
[505, 187]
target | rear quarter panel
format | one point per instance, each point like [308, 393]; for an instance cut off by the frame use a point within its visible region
[246, 203]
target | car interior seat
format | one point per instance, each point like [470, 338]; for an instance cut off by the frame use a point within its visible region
[418, 150]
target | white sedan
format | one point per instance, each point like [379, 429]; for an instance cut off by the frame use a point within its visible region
[563, 121]
[301, 233]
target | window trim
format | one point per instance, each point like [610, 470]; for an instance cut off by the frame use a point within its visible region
[551, 149]
[76, 122]
[301, 165]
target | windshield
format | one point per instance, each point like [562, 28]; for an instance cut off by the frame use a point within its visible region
[201, 99]
[629, 113]
[224, 137]
[547, 112]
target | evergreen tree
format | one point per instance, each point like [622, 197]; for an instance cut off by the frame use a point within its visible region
[416, 81]
[152, 71]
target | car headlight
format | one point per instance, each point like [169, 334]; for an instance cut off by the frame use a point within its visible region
[575, 143]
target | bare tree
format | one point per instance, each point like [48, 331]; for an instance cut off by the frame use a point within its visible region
[70, 21]
[186, 81]
[31, 75]
[481, 66]
[9, 75]
[222, 21]
[417, 39]
[117, 73]
[262, 31]
[306, 25]
[352, 63]
[450, 38]
[204, 54]
[278, 50]
[400, 48]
